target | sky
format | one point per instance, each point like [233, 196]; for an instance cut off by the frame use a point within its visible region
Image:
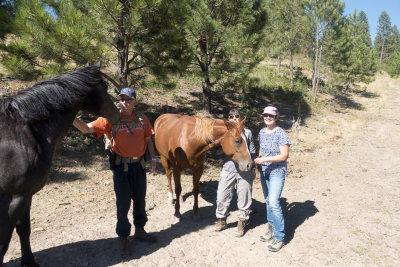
[373, 8]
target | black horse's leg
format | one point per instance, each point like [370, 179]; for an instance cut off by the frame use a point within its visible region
[24, 231]
[6, 227]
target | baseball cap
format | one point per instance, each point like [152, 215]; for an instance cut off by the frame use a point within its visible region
[270, 110]
[128, 91]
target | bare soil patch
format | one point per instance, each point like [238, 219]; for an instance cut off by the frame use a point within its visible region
[341, 201]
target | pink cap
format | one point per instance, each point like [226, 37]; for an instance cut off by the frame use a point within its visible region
[270, 110]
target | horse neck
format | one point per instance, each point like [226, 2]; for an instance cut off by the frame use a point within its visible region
[51, 131]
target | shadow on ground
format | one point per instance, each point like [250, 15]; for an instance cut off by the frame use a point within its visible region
[295, 214]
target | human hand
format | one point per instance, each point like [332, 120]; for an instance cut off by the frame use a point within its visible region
[259, 160]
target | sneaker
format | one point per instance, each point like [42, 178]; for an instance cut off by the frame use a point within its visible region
[141, 235]
[268, 235]
[124, 247]
[241, 227]
[275, 246]
[220, 225]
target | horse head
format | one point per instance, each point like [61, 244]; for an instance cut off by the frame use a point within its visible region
[98, 101]
[234, 144]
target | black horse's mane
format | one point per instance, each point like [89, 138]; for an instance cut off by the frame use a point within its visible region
[39, 101]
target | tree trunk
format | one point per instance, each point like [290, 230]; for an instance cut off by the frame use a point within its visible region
[122, 44]
[205, 83]
[314, 75]
[381, 57]
[279, 64]
[291, 66]
[318, 70]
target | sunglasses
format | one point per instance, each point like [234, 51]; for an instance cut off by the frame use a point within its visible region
[269, 116]
[125, 99]
[234, 116]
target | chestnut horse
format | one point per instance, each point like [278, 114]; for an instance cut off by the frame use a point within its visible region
[183, 141]
[32, 124]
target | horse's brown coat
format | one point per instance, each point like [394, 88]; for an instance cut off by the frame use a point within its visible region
[182, 141]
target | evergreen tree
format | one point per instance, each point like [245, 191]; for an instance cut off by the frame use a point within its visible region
[393, 64]
[53, 36]
[352, 58]
[326, 19]
[384, 30]
[6, 15]
[363, 27]
[224, 36]
[288, 27]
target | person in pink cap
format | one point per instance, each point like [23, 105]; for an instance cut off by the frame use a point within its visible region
[274, 151]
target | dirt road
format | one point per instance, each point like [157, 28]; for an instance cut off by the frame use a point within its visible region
[341, 202]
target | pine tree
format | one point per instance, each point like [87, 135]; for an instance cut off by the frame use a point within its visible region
[384, 29]
[138, 37]
[351, 56]
[326, 18]
[6, 15]
[224, 36]
[288, 27]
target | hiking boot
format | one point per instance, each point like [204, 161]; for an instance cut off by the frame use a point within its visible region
[220, 225]
[241, 227]
[268, 235]
[141, 235]
[124, 247]
[275, 246]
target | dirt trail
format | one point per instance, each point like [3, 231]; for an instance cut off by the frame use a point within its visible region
[341, 203]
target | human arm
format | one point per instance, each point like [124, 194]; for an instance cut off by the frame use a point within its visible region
[150, 147]
[83, 126]
[283, 155]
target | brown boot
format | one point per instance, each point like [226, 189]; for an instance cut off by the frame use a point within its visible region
[124, 247]
[141, 235]
[241, 227]
[220, 225]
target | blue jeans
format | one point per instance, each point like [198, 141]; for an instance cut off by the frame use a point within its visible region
[128, 186]
[272, 185]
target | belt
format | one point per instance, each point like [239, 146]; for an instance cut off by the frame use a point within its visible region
[125, 160]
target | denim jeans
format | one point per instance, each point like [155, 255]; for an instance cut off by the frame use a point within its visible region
[272, 185]
[128, 186]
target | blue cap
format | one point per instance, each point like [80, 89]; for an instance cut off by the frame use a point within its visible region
[128, 91]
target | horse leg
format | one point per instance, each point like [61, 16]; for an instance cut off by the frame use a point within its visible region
[23, 228]
[196, 181]
[6, 227]
[15, 211]
[178, 190]
[164, 163]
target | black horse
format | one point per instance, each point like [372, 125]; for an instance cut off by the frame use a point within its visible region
[32, 124]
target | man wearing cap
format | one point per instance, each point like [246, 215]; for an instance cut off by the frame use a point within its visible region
[129, 143]
[231, 175]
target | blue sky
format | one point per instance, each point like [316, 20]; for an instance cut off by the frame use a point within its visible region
[373, 8]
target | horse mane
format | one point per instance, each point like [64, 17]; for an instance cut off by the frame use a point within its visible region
[58, 94]
[203, 129]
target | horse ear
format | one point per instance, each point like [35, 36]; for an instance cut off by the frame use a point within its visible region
[87, 64]
[242, 123]
[98, 64]
[229, 125]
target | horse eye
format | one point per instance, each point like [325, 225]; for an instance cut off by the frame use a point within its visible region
[238, 141]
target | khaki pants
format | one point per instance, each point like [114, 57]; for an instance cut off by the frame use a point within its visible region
[226, 186]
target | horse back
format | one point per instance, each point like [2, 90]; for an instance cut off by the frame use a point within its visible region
[174, 133]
